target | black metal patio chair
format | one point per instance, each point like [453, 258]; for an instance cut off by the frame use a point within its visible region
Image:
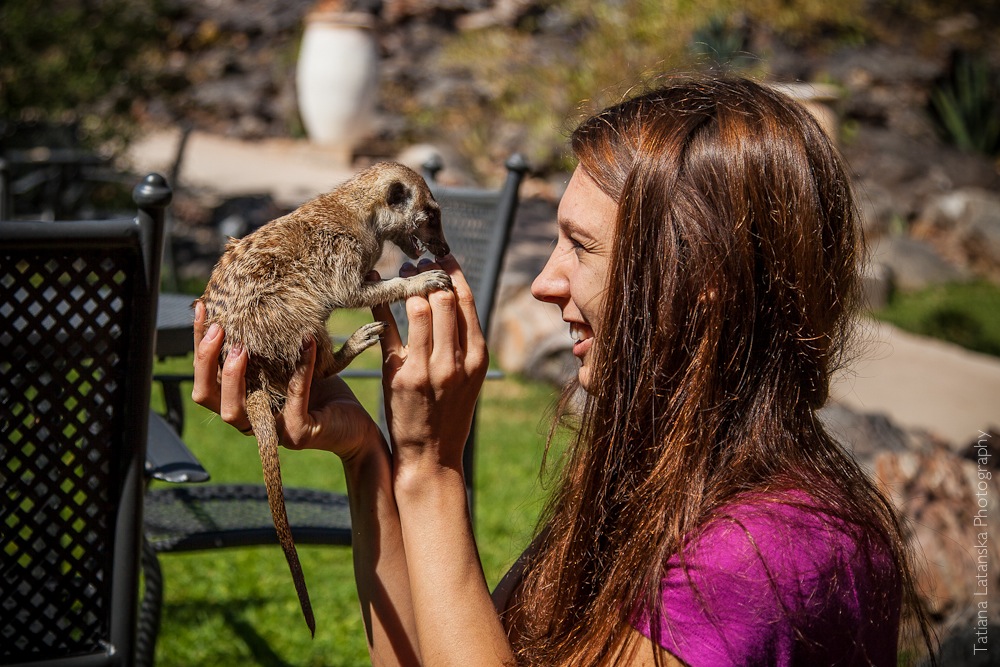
[199, 517]
[53, 176]
[77, 311]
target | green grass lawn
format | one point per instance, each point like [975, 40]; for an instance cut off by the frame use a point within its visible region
[238, 606]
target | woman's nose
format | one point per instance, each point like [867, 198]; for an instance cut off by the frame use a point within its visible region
[551, 285]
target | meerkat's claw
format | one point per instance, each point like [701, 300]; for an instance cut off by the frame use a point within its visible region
[368, 335]
[434, 280]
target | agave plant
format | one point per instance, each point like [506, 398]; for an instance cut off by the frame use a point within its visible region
[723, 44]
[966, 106]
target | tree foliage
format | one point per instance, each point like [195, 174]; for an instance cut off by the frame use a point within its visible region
[76, 61]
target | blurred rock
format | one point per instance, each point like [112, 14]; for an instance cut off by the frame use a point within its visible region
[876, 286]
[965, 225]
[530, 338]
[236, 217]
[958, 638]
[940, 488]
[942, 494]
[913, 264]
[900, 175]
[866, 435]
[878, 208]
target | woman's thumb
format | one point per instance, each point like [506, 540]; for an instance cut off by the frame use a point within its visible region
[297, 396]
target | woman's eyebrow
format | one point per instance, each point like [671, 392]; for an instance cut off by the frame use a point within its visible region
[570, 228]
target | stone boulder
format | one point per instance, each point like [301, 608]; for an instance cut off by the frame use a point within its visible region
[964, 225]
[897, 175]
[912, 264]
[530, 338]
[949, 502]
[948, 496]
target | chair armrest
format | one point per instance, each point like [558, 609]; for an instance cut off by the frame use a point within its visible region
[167, 457]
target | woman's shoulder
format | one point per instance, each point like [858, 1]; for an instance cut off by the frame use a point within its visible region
[788, 531]
[782, 574]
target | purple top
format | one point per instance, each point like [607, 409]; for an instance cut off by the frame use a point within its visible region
[824, 603]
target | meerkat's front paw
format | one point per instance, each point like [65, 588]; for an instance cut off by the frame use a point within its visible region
[428, 281]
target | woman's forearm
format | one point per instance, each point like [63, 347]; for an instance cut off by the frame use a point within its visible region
[431, 386]
[455, 617]
[380, 568]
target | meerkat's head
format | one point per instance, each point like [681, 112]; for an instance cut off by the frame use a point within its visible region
[410, 217]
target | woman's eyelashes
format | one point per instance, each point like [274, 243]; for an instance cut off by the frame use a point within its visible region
[577, 245]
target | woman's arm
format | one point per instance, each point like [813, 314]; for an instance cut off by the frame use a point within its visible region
[432, 386]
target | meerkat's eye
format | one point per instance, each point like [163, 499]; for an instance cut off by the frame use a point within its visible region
[397, 195]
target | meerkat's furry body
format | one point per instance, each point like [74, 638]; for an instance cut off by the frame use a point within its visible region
[280, 284]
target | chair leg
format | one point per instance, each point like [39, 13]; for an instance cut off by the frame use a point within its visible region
[150, 607]
[172, 398]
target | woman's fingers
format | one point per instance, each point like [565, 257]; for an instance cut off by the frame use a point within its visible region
[233, 405]
[447, 346]
[298, 424]
[199, 323]
[443, 326]
[418, 315]
[225, 392]
[470, 333]
[468, 318]
[390, 341]
[208, 346]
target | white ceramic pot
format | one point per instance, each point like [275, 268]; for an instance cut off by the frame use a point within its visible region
[337, 78]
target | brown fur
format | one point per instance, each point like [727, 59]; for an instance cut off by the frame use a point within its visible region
[279, 284]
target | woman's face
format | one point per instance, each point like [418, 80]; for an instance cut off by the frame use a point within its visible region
[576, 275]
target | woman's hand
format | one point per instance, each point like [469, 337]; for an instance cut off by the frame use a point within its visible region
[318, 414]
[431, 385]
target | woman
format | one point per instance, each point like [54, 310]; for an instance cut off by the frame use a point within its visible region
[707, 267]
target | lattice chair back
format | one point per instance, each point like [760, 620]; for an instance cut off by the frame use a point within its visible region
[77, 318]
[478, 224]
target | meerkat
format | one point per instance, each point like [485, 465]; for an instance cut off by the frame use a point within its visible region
[274, 287]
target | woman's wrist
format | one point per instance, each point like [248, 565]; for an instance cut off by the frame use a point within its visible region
[423, 477]
[371, 445]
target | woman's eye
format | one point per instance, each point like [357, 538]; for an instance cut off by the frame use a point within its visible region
[577, 246]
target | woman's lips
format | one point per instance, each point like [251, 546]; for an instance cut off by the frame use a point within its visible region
[583, 337]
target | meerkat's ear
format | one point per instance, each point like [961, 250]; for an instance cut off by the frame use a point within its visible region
[398, 195]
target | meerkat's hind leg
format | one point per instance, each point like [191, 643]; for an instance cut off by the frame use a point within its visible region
[359, 341]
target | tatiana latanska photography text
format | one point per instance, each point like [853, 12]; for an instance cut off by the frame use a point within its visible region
[979, 520]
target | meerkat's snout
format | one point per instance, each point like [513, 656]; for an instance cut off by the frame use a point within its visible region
[431, 233]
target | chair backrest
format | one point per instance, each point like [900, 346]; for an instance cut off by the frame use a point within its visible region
[478, 223]
[77, 317]
[50, 174]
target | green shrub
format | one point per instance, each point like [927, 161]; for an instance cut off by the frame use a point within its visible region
[966, 314]
[529, 86]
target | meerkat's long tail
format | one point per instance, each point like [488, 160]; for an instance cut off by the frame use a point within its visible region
[262, 420]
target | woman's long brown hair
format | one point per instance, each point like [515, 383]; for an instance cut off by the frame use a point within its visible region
[733, 284]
